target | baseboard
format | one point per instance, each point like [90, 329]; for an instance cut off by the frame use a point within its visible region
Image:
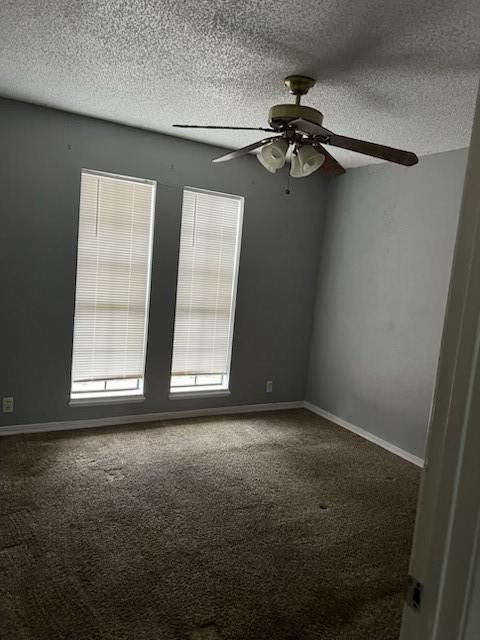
[193, 413]
[146, 417]
[364, 434]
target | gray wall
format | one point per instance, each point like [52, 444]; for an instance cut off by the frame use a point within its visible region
[385, 263]
[380, 293]
[41, 155]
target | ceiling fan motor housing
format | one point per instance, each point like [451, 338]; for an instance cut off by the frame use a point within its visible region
[280, 115]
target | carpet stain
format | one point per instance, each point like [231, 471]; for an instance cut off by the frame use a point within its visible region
[114, 474]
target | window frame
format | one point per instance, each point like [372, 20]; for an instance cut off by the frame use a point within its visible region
[80, 398]
[223, 389]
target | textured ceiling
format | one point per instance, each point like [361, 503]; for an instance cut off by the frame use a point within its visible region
[402, 73]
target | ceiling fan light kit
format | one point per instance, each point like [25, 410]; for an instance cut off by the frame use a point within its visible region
[305, 161]
[272, 155]
[301, 128]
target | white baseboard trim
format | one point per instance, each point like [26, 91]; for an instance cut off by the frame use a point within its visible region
[146, 417]
[213, 411]
[364, 434]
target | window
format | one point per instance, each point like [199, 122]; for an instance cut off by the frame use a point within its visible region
[206, 291]
[113, 285]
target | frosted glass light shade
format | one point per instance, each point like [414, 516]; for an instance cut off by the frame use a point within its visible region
[306, 161]
[272, 155]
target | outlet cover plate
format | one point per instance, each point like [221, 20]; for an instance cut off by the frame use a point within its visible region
[7, 404]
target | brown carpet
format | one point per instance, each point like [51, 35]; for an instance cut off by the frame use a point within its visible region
[272, 526]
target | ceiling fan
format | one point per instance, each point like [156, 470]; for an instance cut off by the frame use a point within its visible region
[301, 130]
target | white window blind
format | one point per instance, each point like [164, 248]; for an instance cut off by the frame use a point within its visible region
[206, 290]
[113, 284]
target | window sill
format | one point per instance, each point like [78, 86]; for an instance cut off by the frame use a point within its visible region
[85, 402]
[198, 393]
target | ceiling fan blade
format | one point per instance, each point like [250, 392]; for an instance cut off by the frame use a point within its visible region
[326, 136]
[213, 126]
[310, 128]
[330, 167]
[240, 152]
[399, 156]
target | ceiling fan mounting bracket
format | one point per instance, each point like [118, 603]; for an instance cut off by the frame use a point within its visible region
[299, 85]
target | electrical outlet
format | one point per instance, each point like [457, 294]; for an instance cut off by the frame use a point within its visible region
[269, 386]
[7, 405]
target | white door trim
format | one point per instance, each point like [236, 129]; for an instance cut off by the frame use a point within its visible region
[449, 502]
